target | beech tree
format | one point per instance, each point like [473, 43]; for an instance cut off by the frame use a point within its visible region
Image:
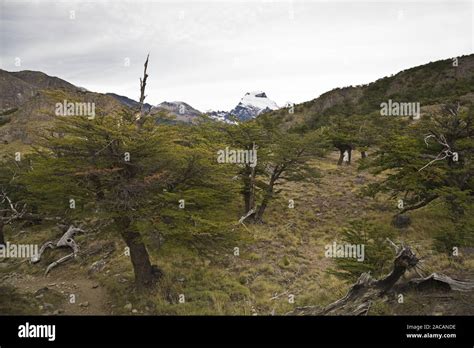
[282, 155]
[109, 168]
[248, 136]
[343, 136]
[288, 159]
[143, 176]
[431, 161]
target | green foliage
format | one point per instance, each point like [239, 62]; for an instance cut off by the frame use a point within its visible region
[458, 231]
[429, 84]
[147, 178]
[378, 253]
[343, 132]
[460, 235]
[411, 166]
[12, 191]
[281, 155]
[288, 156]
[111, 168]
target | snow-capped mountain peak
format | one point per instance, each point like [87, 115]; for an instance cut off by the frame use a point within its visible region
[258, 99]
[253, 104]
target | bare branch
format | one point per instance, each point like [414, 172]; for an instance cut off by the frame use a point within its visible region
[445, 153]
[141, 114]
[396, 247]
[242, 219]
[16, 212]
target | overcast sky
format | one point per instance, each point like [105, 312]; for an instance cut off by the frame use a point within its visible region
[209, 53]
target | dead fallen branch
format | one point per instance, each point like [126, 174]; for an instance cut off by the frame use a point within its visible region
[368, 290]
[436, 281]
[66, 241]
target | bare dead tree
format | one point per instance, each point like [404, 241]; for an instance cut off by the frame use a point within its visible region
[445, 153]
[9, 212]
[142, 112]
[452, 111]
[15, 210]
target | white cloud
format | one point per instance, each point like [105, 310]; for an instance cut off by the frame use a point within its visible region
[210, 53]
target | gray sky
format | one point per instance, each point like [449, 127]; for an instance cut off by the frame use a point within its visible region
[209, 53]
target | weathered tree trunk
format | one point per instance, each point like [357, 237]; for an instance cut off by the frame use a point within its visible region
[2, 237]
[438, 281]
[341, 156]
[145, 273]
[249, 189]
[247, 198]
[342, 149]
[262, 207]
[368, 290]
[401, 264]
[365, 291]
[266, 198]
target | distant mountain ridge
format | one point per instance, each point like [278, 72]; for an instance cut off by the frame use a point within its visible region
[181, 111]
[429, 84]
[42, 81]
[27, 98]
[249, 107]
[28, 102]
[129, 102]
[14, 91]
[19, 87]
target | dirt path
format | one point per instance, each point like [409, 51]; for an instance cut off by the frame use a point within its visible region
[58, 294]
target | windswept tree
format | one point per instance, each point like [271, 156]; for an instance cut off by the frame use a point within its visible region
[431, 161]
[361, 132]
[372, 129]
[145, 178]
[343, 136]
[289, 161]
[282, 155]
[289, 157]
[110, 169]
[249, 137]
